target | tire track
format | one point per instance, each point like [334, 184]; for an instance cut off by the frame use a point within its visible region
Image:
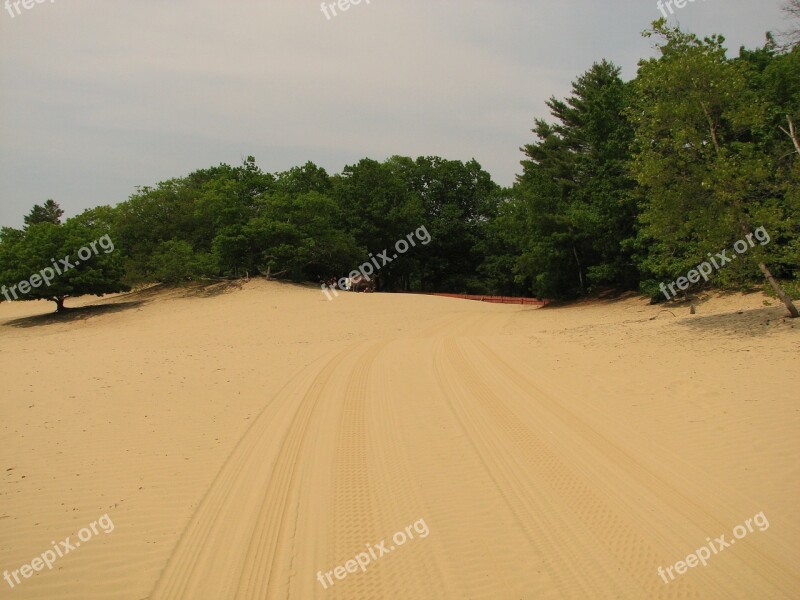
[533, 515]
[230, 499]
[603, 517]
[598, 517]
[421, 573]
[355, 504]
[260, 575]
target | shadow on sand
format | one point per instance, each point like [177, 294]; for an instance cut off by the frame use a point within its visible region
[69, 315]
[130, 300]
[747, 322]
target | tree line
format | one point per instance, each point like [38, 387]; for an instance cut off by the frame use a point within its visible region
[627, 185]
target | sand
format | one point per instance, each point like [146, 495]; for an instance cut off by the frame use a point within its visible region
[244, 439]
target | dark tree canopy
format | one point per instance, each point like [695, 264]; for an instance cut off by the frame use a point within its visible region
[49, 212]
[50, 261]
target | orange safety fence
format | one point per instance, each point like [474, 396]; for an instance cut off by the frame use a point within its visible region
[494, 299]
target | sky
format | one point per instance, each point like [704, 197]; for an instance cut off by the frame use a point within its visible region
[97, 98]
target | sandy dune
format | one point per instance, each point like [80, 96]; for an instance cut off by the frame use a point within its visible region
[245, 439]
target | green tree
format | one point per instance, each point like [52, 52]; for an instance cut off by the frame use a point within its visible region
[378, 208]
[49, 212]
[458, 200]
[54, 262]
[505, 237]
[701, 159]
[175, 261]
[575, 183]
[301, 238]
[195, 209]
[301, 180]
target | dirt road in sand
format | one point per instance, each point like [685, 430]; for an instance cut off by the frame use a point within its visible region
[549, 454]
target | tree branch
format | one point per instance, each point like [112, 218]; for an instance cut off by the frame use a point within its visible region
[792, 133]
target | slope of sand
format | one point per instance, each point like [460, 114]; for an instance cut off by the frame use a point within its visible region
[243, 439]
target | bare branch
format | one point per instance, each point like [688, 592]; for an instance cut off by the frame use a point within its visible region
[792, 132]
[792, 10]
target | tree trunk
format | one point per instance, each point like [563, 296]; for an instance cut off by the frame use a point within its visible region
[779, 290]
[792, 133]
[712, 127]
[580, 269]
[59, 304]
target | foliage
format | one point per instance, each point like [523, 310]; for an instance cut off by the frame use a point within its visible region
[49, 212]
[705, 158]
[36, 254]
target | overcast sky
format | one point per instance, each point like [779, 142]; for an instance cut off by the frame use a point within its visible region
[97, 98]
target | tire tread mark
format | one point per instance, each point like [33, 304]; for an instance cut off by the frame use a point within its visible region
[177, 576]
[773, 571]
[501, 472]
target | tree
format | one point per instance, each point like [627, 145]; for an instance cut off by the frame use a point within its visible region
[701, 160]
[792, 10]
[300, 238]
[505, 237]
[175, 261]
[458, 200]
[301, 180]
[54, 262]
[195, 209]
[378, 208]
[575, 183]
[50, 212]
